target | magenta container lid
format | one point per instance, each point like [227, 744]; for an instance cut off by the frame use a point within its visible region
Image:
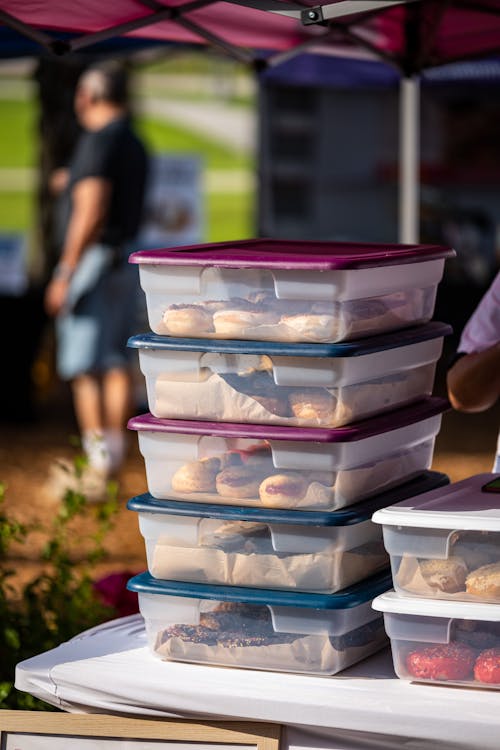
[427, 407]
[292, 255]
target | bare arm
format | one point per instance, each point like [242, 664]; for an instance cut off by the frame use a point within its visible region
[474, 380]
[90, 205]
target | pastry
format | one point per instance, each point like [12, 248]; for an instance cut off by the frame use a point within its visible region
[447, 661]
[485, 581]
[196, 476]
[236, 625]
[241, 314]
[320, 323]
[188, 320]
[444, 575]
[239, 482]
[282, 490]
[314, 406]
[487, 666]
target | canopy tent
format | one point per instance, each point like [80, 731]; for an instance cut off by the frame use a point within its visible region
[410, 35]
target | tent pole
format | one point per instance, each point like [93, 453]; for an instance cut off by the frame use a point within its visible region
[409, 159]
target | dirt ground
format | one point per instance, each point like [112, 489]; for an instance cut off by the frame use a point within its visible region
[464, 447]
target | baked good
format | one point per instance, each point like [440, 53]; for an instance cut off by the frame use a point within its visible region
[320, 323]
[282, 489]
[314, 406]
[447, 661]
[485, 581]
[243, 537]
[196, 476]
[242, 635]
[238, 481]
[188, 320]
[241, 314]
[487, 666]
[444, 575]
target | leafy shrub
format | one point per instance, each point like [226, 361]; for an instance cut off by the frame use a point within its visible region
[61, 602]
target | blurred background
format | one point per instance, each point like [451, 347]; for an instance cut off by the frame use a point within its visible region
[237, 154]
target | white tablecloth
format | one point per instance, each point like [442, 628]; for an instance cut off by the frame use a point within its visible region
[109, 669]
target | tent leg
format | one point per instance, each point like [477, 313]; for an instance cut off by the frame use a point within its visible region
[409, 159]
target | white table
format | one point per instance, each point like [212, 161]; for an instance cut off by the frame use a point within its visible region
[109, 669]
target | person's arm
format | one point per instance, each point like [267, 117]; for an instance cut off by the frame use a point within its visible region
[474, 380]
[90, 202]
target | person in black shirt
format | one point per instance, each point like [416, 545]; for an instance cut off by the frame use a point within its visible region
[93, 290]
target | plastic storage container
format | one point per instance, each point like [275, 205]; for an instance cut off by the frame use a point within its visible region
[287, 467]
[304, 385]
[273, 290]
[443, 642]
[259, 629]
[302, 551]
[446, 543]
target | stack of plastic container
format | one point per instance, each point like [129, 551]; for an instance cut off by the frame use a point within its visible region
[289, 388]
[444, 617]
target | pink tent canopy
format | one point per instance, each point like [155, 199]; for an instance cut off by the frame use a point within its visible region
[410, 34]
[414, 34]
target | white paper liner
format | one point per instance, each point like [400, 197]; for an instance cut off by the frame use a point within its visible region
[311, 654]
[322, 572]
[214, 399]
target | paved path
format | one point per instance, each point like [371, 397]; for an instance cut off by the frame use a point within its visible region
[232, 126]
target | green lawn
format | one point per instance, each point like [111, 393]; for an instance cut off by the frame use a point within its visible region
[228, 216]
[17, 133]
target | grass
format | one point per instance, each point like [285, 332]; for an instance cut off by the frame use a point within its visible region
[16, 211]
[17, 133]
[228, 216]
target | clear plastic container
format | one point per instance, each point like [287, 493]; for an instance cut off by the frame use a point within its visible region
[446, 543]
[287, 467]
[453, 643]
[273, 290]
[304, 385]
[259, 629]
[302, 551]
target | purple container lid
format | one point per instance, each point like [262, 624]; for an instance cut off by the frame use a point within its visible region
[292, 255]
[427, 407]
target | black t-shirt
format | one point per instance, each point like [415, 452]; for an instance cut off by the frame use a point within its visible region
[116, 154]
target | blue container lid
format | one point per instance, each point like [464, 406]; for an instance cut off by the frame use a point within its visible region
[362, 511]
[368, 345]
[350, 597]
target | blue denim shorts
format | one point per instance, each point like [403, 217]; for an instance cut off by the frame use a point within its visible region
[100, 314]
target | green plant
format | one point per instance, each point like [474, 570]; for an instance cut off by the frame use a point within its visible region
[61, 602]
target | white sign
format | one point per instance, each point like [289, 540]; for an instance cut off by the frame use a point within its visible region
[173, 212]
